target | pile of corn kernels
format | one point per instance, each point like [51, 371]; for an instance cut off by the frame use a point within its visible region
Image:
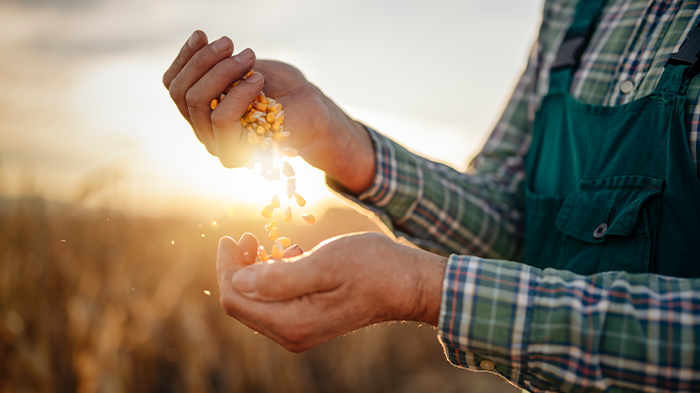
[263, 121]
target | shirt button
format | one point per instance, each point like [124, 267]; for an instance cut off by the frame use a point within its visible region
[600, 230]
[627, 87]
[487, 365]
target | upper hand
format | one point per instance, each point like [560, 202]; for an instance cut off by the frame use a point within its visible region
[322, 133]
[341, 285]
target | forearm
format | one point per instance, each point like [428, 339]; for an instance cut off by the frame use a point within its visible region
[555, 330]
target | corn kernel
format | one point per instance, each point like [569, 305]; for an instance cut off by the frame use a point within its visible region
[287, 214]
[264, 123]
[276, 125]
[255, 115]
[260, 106]
[281, 136]
[309, 218]
[263, 254]
[252, 137]
[287, 169]
[285, 241]
[249, 73]
[270, 117]
[279, 116]
[262, 98]
[271, 224]
[274, 234]
[214, 103]
[275, 201]
[271, 102]
[266, 143]
[243, 122]
[291, 187]
[267, 211]
[235, 83]
[289, 151]
[271, 108]
[300, 201]
[277, 250]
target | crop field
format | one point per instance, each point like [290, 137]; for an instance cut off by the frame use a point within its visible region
[92, 300]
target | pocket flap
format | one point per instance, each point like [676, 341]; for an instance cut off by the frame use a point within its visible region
[614, 201]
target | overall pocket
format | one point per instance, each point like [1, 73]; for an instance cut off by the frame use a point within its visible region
[609, 224]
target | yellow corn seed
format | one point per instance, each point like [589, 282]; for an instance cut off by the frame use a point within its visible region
[275, 201]
[235, 83]
[271, 224]
[260, 106]
[300, 200]
[262, 254]
[264, 123]
[276, 125]
[289, 151]
[271, 101]
[260, 130]
[249, 73]
[250, 106]
[262, 98]
[266, 143]
[270, 117]
[277, 250]
[287, 214]
[252, 137]
[274, 234]
[287, 169]
[243, 122]
[214, 103]
[281, 136]
[279, 116]
[291, 187]
[285, 241]
[255, 115]
[267, 211]
[271, 108]
[309, 218]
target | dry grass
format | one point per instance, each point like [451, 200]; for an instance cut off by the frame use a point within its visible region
[92, 304]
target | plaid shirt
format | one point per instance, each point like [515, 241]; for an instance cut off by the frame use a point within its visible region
[549, 330]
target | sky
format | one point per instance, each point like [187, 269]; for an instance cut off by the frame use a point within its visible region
[84, 115]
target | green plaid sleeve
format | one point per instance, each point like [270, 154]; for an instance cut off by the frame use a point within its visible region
[552, 330]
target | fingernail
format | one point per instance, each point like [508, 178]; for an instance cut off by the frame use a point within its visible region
[194, 40]
[222, 44]
[245, 56]
[244, 280]
[255, 78]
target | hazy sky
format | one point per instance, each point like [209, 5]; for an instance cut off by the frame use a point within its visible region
[83, 101]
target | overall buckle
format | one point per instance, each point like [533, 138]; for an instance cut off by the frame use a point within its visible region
[689, 53]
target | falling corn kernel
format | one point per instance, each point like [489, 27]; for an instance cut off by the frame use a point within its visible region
[262, 254]
[285, 241]
[289, 151]
[267, 211]
[277, 250]
[309, 218]
[287, 169]
[275, 202]
[274, 234]
[214, 103]
[266, 143]
[271, 224]
[300, 200]
[291, 187]
[287, 214]
[281, 136]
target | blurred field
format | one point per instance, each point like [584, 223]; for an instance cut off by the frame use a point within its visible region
[92, 300]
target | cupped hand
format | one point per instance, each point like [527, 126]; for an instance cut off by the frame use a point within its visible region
[320, 131]
[343, 284]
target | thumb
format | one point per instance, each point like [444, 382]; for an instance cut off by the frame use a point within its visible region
[229, 259]
[285, 279]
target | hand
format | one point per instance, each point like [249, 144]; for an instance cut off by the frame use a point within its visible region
[343, 284]
[320, 131]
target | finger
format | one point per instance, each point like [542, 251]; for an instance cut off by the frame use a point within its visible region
[196, 41]
[210, 86]
[229, 259]
[249, 248]
[198, 65]
[231, 137]
[282, 281]
[293, 251]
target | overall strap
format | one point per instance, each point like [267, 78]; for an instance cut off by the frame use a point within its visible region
[682, 66]
[575, 42]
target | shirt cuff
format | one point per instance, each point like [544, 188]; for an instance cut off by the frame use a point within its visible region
[485, 315]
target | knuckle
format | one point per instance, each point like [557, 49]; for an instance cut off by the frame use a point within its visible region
[192, 99]
[219, 119]
[198, 61]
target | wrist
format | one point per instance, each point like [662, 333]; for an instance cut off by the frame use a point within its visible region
[352, 162]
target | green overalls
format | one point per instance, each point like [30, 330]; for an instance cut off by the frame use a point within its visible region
[611, 188]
